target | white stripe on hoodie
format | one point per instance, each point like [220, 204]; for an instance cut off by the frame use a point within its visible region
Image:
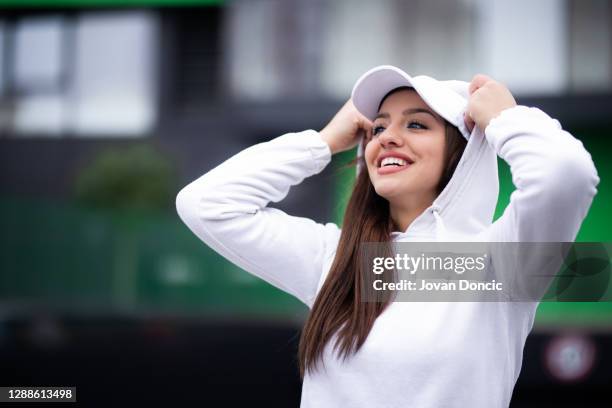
[421, 354]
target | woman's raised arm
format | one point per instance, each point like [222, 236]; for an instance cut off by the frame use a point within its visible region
[554, 175]
[227, 209]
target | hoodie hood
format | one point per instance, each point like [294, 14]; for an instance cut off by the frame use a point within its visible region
[467, 204]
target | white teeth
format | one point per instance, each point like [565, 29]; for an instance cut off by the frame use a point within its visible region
[392, 160]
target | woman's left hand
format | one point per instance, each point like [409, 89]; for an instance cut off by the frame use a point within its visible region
[488, 98]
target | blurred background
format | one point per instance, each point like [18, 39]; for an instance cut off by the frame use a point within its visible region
[108, 108]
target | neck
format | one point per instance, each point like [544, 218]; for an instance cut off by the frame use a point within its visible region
[404, 211]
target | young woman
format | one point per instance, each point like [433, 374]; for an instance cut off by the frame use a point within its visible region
[426, 171]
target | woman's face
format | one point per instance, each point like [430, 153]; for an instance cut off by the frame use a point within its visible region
[406, 128]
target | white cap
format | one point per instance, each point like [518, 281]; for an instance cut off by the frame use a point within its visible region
[447, 98]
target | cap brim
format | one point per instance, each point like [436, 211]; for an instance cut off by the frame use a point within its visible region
[372, 86]
[447, 98]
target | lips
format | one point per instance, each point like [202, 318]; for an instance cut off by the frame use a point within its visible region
[392, 169]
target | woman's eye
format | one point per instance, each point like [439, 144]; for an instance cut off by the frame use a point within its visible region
[376, 129]
[417, 124]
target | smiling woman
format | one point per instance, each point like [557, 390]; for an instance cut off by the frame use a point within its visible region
[426, 171]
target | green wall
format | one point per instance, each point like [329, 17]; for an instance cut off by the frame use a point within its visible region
[80, 260]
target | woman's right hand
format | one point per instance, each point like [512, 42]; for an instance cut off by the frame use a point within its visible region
[346, 128]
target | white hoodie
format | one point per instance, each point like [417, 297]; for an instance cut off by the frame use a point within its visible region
[418, 354]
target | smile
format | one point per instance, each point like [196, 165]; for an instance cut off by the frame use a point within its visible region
[392, 168]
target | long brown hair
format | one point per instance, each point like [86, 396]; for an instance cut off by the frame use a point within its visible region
[339, 306]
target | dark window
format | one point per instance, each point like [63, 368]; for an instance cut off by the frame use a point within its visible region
[191, 58]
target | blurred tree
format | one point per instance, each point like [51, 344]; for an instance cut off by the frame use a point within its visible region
[137, 177]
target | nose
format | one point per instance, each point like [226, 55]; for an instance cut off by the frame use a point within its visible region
[390, 137]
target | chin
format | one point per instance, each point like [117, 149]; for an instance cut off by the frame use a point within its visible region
[390, 188]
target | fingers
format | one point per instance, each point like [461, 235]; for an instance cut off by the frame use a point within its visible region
[469, 122]
[363, 122]
[478, 81]
[366, 123]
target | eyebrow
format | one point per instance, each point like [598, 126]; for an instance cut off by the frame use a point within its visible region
[407, 112]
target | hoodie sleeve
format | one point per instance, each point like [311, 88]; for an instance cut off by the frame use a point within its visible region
[553, 173]
[227, 209]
